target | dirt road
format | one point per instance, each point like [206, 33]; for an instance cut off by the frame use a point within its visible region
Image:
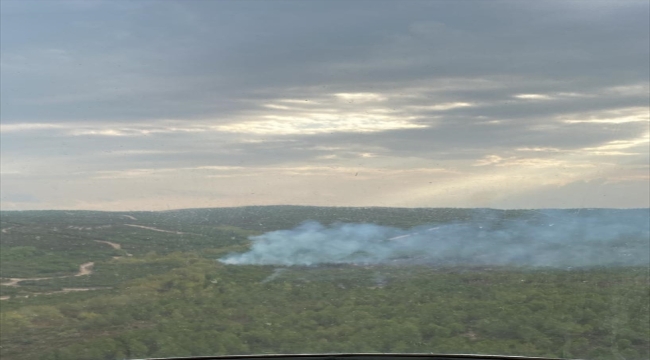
[156, 229]
[115, 246]
[84, 269]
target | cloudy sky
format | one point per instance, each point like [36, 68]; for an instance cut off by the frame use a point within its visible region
[137, 105]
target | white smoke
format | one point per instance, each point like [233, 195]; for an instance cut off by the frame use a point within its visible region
[552, 238]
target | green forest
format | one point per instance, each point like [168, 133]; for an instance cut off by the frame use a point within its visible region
[154, 288]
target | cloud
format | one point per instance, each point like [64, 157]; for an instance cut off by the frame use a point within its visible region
[19, 198]
[533, 96]
[118, 91]
[614, 116]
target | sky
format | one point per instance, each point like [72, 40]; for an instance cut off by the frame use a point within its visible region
[156, 105]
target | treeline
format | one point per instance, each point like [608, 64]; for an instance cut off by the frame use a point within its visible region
[268, 218]
[205, 308]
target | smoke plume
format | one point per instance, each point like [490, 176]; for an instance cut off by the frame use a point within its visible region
[548, 238]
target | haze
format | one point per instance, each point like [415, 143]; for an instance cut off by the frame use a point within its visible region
[138, 105]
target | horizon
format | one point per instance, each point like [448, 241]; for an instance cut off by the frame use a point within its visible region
[332, 207]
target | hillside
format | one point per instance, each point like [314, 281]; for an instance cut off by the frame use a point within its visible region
[103, 285]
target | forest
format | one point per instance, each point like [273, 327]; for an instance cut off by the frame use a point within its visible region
[108, 285]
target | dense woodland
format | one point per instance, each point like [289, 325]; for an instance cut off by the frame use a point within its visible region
[162, 293]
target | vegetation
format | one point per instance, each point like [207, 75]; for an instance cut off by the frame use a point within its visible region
[171, 298]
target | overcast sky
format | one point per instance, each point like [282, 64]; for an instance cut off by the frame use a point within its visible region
[136, 105]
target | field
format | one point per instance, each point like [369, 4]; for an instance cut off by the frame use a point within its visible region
[105, 285]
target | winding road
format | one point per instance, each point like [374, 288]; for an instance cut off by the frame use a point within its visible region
[156, 229]
[84, 269]
[115, 246]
